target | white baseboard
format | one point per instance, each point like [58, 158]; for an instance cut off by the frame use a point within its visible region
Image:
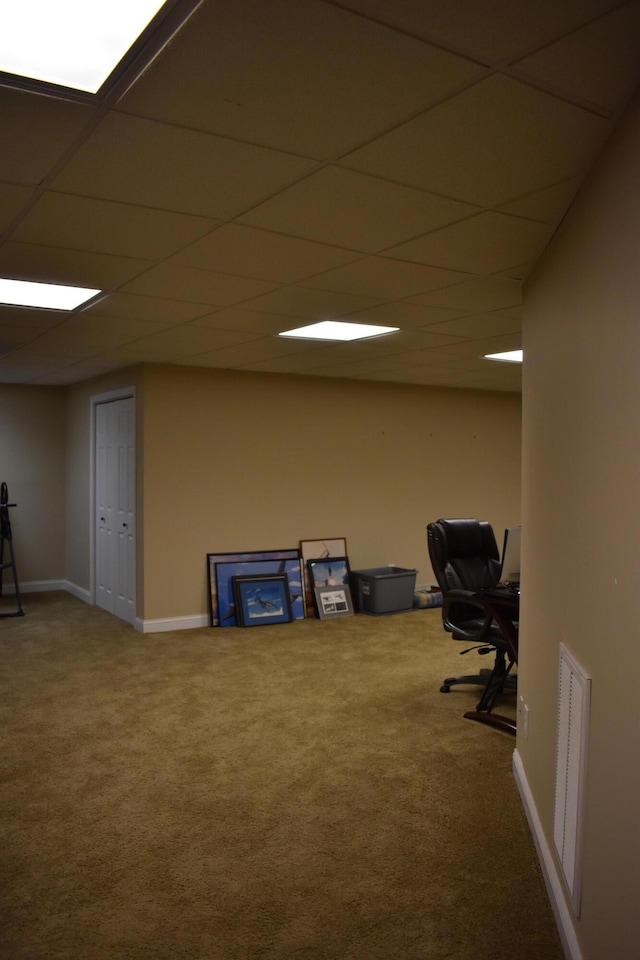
[77, 591]
[36, 586]
[172, 623]
[46, 586]
[552, 878]
[142, 626]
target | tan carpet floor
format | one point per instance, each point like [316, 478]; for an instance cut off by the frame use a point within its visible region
[295, 791]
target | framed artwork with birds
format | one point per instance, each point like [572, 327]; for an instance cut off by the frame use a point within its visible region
[222, 566]
[261, 599]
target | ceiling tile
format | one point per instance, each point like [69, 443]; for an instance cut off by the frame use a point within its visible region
[520, 272]
[547, 205]
[404, 365]
[7, 346]
[285, 74]
[46, 349]
[479, 348]
[490, 31]
[75, 373]
[401, 164]
[80, 223]
[402, 343]
[241, 320]
[165, 351]
[404, 314]
[25, 372]
[188, 340]
[384, 278]
[478, 294]
[30, 261]
[355, 211]
[303, 302]
[36, 132]
[34, 320]
[479, 326]
[390, 363]
[488, 375]
[484, 244]
[152, 164]
[488, 145]
[361, 369]
[238, 356]
[598, 63]
[408, 342]
[262, 254]
[298, 364]
[103, 333]
[91, 367]
[161, 311]
[131, 353]
[12, 336]
[199, 286]
[12, 200]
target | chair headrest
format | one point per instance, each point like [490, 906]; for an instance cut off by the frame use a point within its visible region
[464, 537]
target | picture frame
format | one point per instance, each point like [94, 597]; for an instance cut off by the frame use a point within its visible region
[225, 572]
[261, 599]
[328, 572]
[242, 557]
[316, 550]
[334, 602]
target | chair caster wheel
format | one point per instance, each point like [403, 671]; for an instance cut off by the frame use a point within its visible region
[445, 689]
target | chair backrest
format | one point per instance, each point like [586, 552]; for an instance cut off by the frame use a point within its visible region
[464, 555]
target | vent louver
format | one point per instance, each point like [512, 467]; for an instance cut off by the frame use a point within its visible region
[574, 696]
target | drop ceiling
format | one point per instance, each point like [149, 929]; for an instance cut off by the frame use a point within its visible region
[286, 161]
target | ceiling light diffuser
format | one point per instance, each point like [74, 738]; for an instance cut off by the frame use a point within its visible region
[72, 43]
[51, 296]
[338, 330]
[509, 356]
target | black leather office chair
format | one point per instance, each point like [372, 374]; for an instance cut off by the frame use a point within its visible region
[465, 560]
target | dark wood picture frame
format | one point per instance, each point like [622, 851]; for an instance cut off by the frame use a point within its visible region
[261, 598]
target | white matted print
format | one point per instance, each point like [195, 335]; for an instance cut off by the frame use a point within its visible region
[333, 602]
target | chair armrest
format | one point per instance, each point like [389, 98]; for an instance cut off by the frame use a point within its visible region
[471, 599]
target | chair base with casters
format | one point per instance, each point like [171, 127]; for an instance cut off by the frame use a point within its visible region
[503, 607]
[480, 678]
[494, 682]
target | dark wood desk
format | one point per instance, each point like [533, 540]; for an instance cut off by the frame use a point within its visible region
[503, 606]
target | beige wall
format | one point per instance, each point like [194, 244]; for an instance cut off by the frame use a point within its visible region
[581, 528]
[247, 461]
[244, 461]
[32, 452]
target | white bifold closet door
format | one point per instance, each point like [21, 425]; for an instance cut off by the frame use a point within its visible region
[115, 508]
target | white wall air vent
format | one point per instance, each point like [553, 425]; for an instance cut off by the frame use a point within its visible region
[574, 696]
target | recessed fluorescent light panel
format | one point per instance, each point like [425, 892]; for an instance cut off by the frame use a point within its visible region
[51, 296]
[509, 356]
[338, 330]
[71, 43]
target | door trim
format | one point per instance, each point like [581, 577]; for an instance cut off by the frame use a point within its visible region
[124, 394]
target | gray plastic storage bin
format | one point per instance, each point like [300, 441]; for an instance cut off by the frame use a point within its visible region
[384, 589]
